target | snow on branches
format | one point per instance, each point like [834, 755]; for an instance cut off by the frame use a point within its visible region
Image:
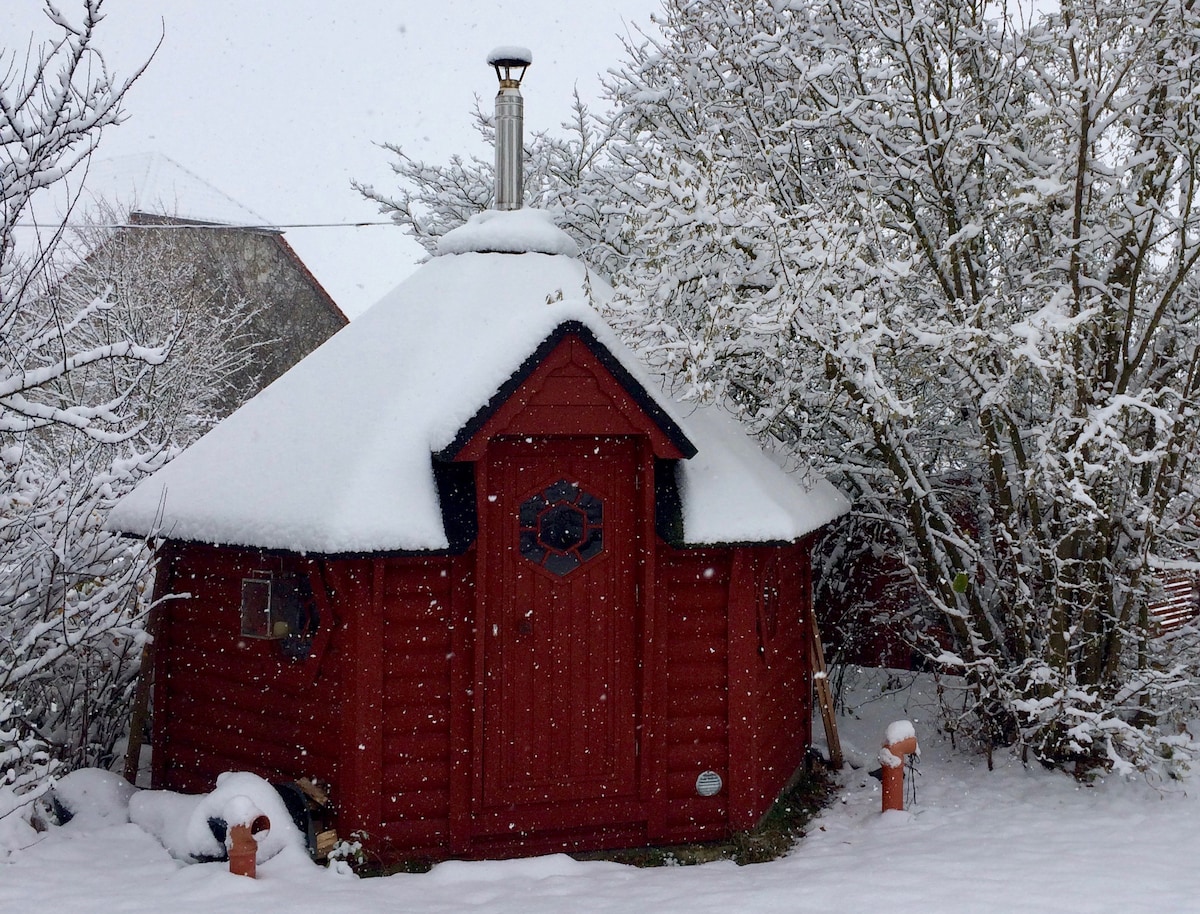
[950, 253]
[69, 593]
[94, 393]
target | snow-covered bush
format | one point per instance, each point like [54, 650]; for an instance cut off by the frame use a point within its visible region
[72, 597]
[92, 797]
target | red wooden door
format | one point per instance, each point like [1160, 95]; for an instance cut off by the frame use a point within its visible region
[559, 655]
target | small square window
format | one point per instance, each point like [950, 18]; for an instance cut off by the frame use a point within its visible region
[280, 607]
[257, 621]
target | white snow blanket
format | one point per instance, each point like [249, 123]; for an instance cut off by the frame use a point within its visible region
[979, 842]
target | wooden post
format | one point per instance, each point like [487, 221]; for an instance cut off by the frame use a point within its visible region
[141, 695]
[141, 711]
[825, 696]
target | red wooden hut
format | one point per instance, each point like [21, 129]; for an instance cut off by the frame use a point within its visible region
[468, 564]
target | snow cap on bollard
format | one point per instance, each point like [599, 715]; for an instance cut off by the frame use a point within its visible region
[245, 820]
[899, 740]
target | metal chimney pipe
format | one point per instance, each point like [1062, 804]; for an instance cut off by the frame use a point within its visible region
[510, 124]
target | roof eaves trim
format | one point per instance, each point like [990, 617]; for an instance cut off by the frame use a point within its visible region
[351, 555]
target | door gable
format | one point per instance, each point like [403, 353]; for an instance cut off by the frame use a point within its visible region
[572, 385]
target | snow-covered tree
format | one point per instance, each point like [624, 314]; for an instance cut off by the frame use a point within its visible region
[162, 279]
[54, 103]
[949, 253]
[74, 595]
[94, 392]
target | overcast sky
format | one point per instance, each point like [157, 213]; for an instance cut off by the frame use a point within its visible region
[280, 105]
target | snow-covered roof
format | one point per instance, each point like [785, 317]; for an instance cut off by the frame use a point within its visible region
[732, 492]
[520, 231]
[336, 455]
[153, 184]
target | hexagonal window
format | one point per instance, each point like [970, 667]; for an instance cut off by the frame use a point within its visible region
[561, 527]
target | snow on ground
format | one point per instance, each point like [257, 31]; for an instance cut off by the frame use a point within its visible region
[1011, 840]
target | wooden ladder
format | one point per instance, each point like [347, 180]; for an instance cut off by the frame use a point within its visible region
[825, 696]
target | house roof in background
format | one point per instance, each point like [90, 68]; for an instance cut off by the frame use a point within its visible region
[155, 185]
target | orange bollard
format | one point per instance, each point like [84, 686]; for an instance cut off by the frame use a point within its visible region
[899, 742]
[243, 849]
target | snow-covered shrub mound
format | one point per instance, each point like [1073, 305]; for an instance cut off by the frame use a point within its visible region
[196, 828]
[165, 814]
[92, 796]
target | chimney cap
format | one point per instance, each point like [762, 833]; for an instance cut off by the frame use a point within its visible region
[510, 55]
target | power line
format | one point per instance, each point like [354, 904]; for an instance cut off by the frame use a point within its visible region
[200, 225]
